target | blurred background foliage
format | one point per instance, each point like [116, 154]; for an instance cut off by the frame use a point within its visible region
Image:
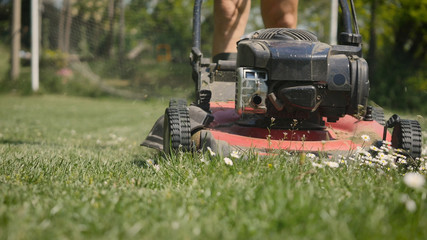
[140, 48]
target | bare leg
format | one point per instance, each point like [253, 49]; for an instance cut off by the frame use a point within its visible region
[230, 18]
[279, 13]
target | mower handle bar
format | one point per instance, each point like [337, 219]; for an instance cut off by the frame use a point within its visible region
[197, 23]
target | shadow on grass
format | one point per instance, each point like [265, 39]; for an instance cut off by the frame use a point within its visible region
[146, 161]
[140, 163]
[17, 142]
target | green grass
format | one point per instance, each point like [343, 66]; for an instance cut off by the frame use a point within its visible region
[72, 168]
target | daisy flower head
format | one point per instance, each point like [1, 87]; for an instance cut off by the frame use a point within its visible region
[311, 156]
[383, 162]
[393, 165]
[318, 165]
[212, 153]
[272, 119]
[331, 164]
[228, 161]
[381, 155]
[203, 160]
[385, 148]
[365, 138]
[235, 154]
[375, 149]
[285, 134]
[414, 180]
[402, 161]
[410, 205]
[363, 152]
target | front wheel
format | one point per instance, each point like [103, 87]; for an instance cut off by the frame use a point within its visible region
[177, 129]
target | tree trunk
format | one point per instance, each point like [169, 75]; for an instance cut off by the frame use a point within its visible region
[110, 35]
[16, 39]
[67, 34]
[122, 27]
[122, 37]
[61, 27]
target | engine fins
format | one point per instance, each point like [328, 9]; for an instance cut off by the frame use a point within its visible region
[285, 34]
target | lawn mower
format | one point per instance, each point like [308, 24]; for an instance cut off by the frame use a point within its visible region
[283, 90]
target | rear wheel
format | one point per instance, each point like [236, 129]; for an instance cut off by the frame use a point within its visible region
[177, 129]
[407, 136]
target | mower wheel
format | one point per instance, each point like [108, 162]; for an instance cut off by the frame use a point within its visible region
[177, 131]
[378, 115]
[407, 136]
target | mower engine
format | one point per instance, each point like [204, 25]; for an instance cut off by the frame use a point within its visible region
[288, 74]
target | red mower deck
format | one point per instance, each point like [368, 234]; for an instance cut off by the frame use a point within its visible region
[343, 136]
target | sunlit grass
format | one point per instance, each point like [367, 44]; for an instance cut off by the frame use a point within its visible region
[72, 168]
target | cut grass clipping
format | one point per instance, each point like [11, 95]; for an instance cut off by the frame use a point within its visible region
[72, 168]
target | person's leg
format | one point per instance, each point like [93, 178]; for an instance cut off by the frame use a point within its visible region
[230, 18]
[279, 13]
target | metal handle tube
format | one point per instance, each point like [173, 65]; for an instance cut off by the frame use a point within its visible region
[197, 23]
[353, 11]
[346, 18]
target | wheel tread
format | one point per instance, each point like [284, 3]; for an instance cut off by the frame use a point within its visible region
[378, 115]
[407, 135]
[178, 118]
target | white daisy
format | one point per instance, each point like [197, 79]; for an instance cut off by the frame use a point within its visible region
[228, 161]
[332, 164]
[212, 153]
[402, 161]
[235, 154]
[383, 162]
[381, 155]
[410, 205]
[203, 160]
[373, 148]
[414, 180]
[365, 138]
[317, 165]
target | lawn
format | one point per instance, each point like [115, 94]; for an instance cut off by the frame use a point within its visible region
[72, 168]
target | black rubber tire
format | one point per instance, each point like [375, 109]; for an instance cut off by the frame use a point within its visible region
[177, 130]
[378, 115]
[407, 136]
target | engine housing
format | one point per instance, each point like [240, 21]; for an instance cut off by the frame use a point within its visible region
[289, 74]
